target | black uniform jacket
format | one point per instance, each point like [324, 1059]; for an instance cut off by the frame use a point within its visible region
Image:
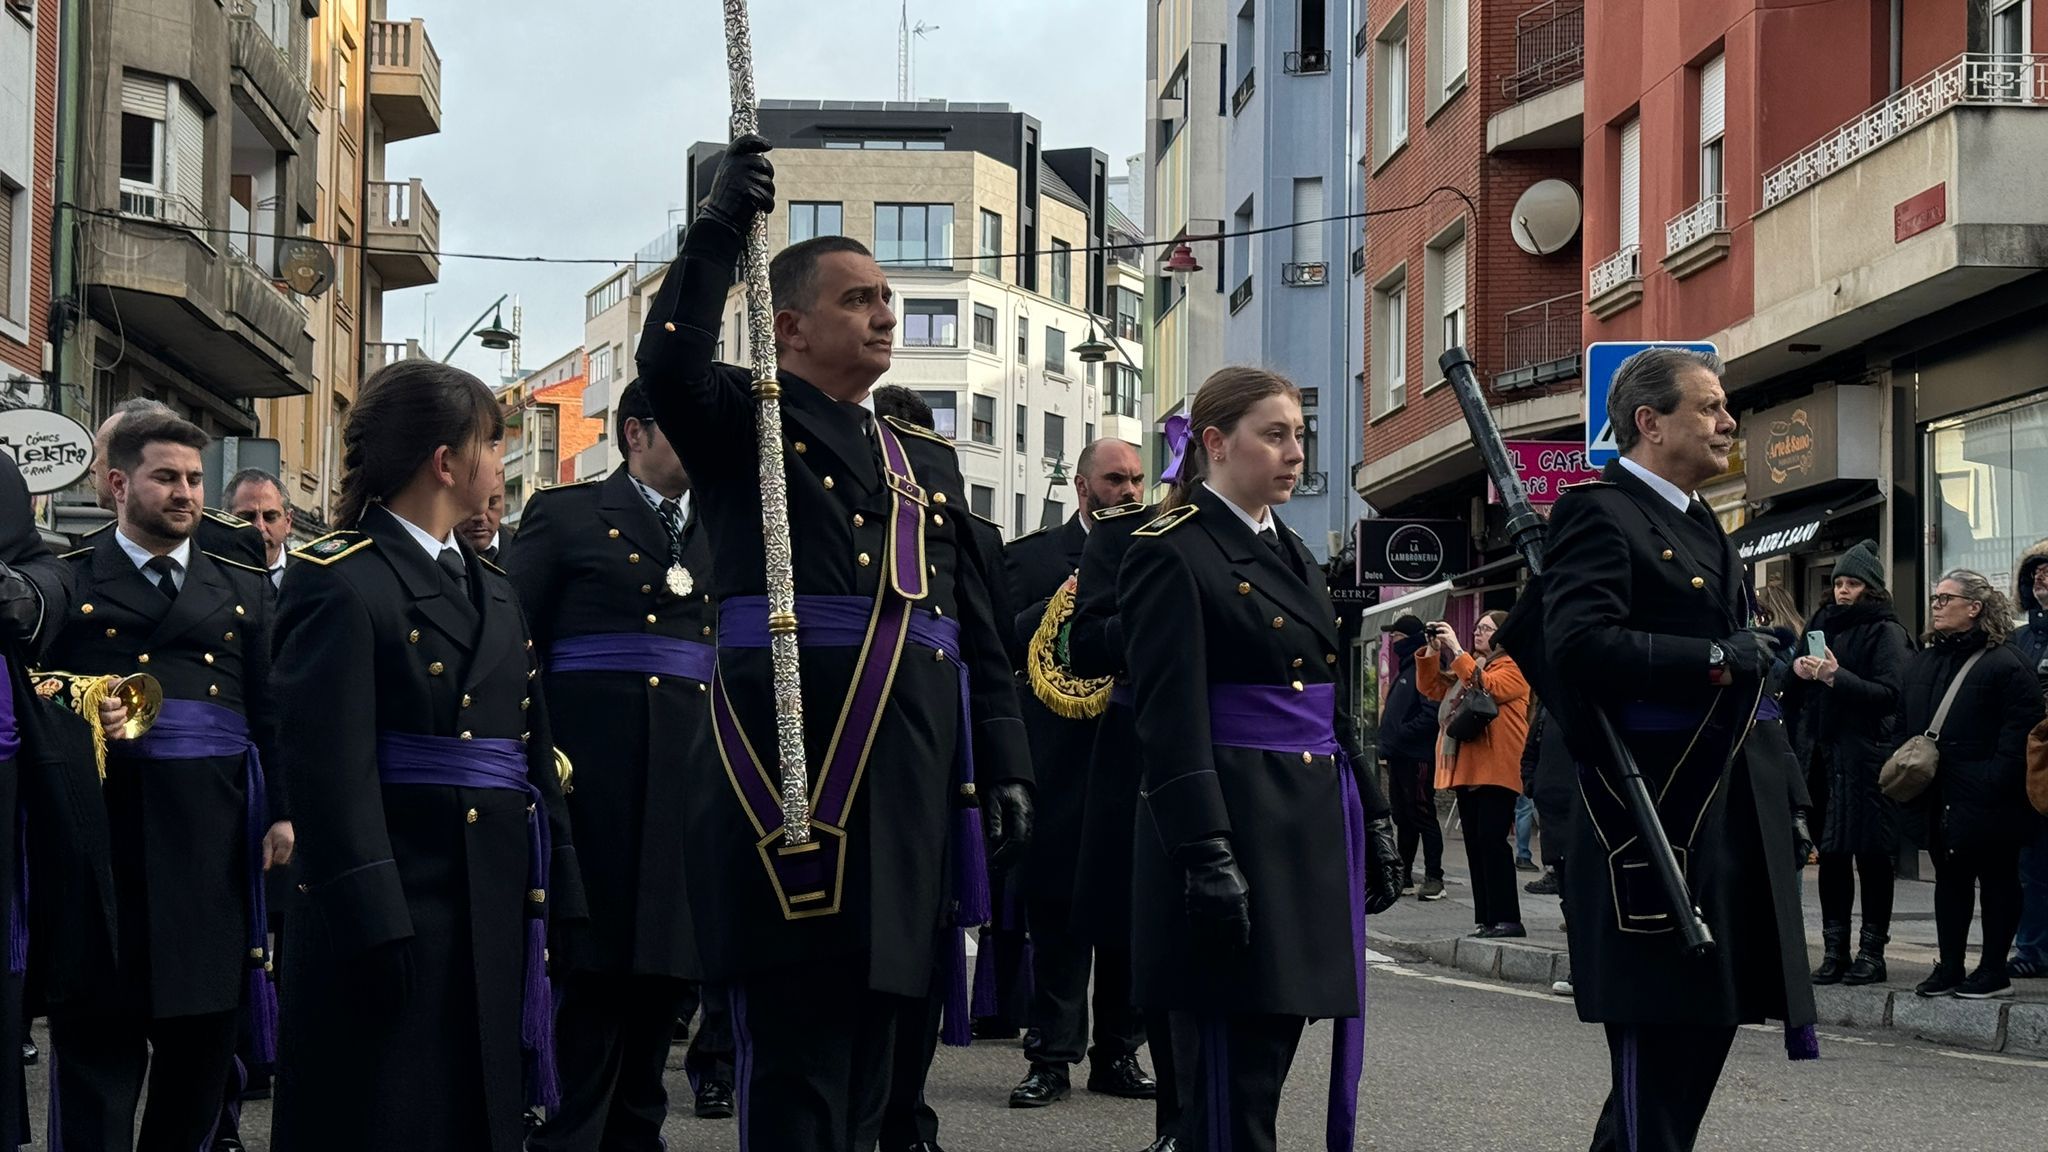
[592, 559]
[225, 535]
[1206, 604]
[1636, 592]
[1109, 814]
[379, 640]
[1036, 565]
[895, 887]
[180, 856]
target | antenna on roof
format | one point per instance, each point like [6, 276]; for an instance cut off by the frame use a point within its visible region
[906, 63]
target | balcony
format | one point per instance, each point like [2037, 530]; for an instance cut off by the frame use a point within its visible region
[1245, 88]
[266, 84]
[1616, 283]
[597, 399]
[379, 354]
[1697, 237]
[1547, 90]
[404, 234]
[593, 462]
[405, 79]
[1542, 343]
[1305, 275]
[1309, 62]
[1241, 296]
[1921, 203]
[269, 318]
[1312, 484]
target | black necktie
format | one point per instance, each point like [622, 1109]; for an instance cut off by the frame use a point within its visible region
[451, 563]
[166, 570]
[1703, 516]
[1271, 538]
[671, 514]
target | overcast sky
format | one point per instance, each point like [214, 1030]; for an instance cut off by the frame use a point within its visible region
[565, 125]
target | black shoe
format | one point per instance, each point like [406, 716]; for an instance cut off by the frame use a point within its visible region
[1834, 959]
[1509, 930]
[29, 1052]
[714, 1100]
[1546, 886]
[1869, 966]
[1986, 983]
[1524, 864]
[924, 1146]
[1123, 1077]
[1940, 982]
[990, 1028]
[1045, 1085]
[227, 1144]
[1163, 1144]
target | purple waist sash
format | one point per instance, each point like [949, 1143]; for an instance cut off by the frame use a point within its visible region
[190, 730]
[499, 764]
[10, 728]
[1768, 709]
[1274, 718]
[17, 900]
[635, 652]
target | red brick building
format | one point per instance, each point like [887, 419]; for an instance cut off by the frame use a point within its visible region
[1484, 97]
[28, 177]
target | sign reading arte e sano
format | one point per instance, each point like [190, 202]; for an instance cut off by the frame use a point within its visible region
[1830, 435]
[1412, 551]
[1546, 467]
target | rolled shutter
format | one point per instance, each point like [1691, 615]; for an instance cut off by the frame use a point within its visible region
[1713, 98]
[187, 134]
[145, 96]
[1631, 205]
[1308, 206]
[1454, 276]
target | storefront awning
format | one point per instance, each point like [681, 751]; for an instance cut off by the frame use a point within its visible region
[1793, 529]
[1499, 573]
[1426, 602]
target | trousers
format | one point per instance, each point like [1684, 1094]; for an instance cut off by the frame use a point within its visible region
[1663, 1079]
[813, 1069]
[1233, 1090]
[1060, 962]
[1411, 785]
[611, 1042]
[1488, 813]
[101, 1063]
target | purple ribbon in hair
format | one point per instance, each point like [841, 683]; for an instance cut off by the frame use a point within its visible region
[1177, 429]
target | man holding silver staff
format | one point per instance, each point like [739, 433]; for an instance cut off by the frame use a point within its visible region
[910, 717]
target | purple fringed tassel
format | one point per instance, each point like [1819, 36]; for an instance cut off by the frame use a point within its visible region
[1801, 1043]
[970, 868]
[17, 903]
[1029, 963]
[259, 1000]
[537, 1021]
[958, 1031]
[984, 977]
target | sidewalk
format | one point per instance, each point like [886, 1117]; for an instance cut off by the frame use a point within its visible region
[1440, 932]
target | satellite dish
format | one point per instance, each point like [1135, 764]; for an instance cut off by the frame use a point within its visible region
[1546, 217]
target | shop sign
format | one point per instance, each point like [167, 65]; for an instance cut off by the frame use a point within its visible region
[1830, 435]
[1411, 551]
[1546, 467]
[51, 449]
[1917, 214]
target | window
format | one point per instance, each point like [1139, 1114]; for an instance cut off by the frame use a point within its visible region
[605, 297]
[1124, 385]
[1023, 431]
[931, 323]
[1055, 351]
[1055, 436]
[989, 247]
[984, 329]
[601, 365]
[1390, 343]
[142, 141]
[1631, 204]
[1019, 528]
[985, 423]
[1308, 217]
[945, 411]
[1448, 34]
[914, 235]
[163, 150]
[10, 307]
[2011, 26]
[981, 500]
[1130, 308]
[1444, 277]
[1713, 121]
[1390, 99]
[1312, 29]
[808, 221]
[1023, 341]
[1062, 272]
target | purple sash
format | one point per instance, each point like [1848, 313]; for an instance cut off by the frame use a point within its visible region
[449, 762]
[635, 652]
[191, 730]
[17, 900]
[1274, 718]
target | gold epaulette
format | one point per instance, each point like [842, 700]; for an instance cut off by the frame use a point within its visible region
[909, 429]
[1167, 521]
[220, 559]
[229, 519]
[333, 546]
[491, 564]
[98, 530]
[75, 553]
[1119, 510]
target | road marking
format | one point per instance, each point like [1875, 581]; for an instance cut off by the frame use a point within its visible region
[1988, 1058]
[1501, 989]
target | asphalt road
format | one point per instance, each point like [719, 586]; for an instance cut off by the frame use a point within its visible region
[1457, 1065]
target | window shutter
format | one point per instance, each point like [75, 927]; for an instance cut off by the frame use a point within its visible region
[1713, 98]
[1455, 36]
[7, 197]
[1631, 206]
[144, 96]
[187, 147]
[1308, 206]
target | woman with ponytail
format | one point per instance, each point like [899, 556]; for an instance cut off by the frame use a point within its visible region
[1262, 838]
[434, 849]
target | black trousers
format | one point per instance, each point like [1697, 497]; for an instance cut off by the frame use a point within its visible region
[1663, 1079]
[1172, 1050]
[100, 1062]
[908, 1119]
[1957, 873]
[611, 1046]
[1233, 1088]
[1060, 960]
[815, 1058]
[710, 1055]
[1838, 873]
[1411, 785]
[1006, 949]
[1488, 813]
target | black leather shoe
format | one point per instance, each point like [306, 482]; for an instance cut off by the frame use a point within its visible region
[1124, 1077]
[714, 1100]
[1045, 1085]
[924, 1146]
[1163, 1144]
[29, 1052]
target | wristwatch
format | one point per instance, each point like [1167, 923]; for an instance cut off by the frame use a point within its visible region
[1717, 656]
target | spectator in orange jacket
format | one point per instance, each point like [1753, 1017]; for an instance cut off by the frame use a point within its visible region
[1485, 769]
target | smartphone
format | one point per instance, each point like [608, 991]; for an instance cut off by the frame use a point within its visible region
[1816, 645]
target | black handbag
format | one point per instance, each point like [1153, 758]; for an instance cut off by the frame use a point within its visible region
[1476, 709]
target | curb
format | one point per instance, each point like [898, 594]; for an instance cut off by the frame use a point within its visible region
[2018, 1029]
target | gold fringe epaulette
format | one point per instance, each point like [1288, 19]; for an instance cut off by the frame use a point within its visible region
[244, 566]
[1063, 693]
[333, 546]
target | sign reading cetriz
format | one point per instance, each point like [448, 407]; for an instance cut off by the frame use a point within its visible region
[1601, 361]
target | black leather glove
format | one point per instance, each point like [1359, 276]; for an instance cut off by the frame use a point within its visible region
[20, 608]
[1749, 655]
[1219, 900]
[383, 978]
[1802, 839]
[1006, 819]
[744, 185]
[1383, 867]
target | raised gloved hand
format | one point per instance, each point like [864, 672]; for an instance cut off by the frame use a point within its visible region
[1383, 867]
[1802, 840]
[383, 978]
[20, 608]
[1006, 819]
[1219, 900]
[744, 184]
[1749, 653]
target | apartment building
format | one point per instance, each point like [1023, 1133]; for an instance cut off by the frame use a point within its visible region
[545, 429]
[1851, 207]
[28, 161]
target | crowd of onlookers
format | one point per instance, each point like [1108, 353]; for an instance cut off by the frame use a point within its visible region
[1850, 687]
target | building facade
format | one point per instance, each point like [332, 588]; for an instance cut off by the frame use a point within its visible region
[545, 430]
[28, 162]
[1851, 214]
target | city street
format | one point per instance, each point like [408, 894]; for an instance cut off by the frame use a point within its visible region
[1463, 1065]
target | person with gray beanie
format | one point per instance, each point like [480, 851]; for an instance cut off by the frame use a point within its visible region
[1841, 709]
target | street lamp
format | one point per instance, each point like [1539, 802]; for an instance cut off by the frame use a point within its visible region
[494, 335]
[1093, 350]
[1055, 479]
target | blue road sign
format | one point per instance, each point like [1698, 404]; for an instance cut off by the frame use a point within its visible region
[1601, 361]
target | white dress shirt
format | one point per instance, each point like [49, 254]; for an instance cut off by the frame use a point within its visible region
[1671, 493]
[427, 543]
[181, 556]
[1257, 525]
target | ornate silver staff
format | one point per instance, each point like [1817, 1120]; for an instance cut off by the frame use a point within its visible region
[789, 705]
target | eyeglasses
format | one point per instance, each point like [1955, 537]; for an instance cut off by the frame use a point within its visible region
[1941, 599]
